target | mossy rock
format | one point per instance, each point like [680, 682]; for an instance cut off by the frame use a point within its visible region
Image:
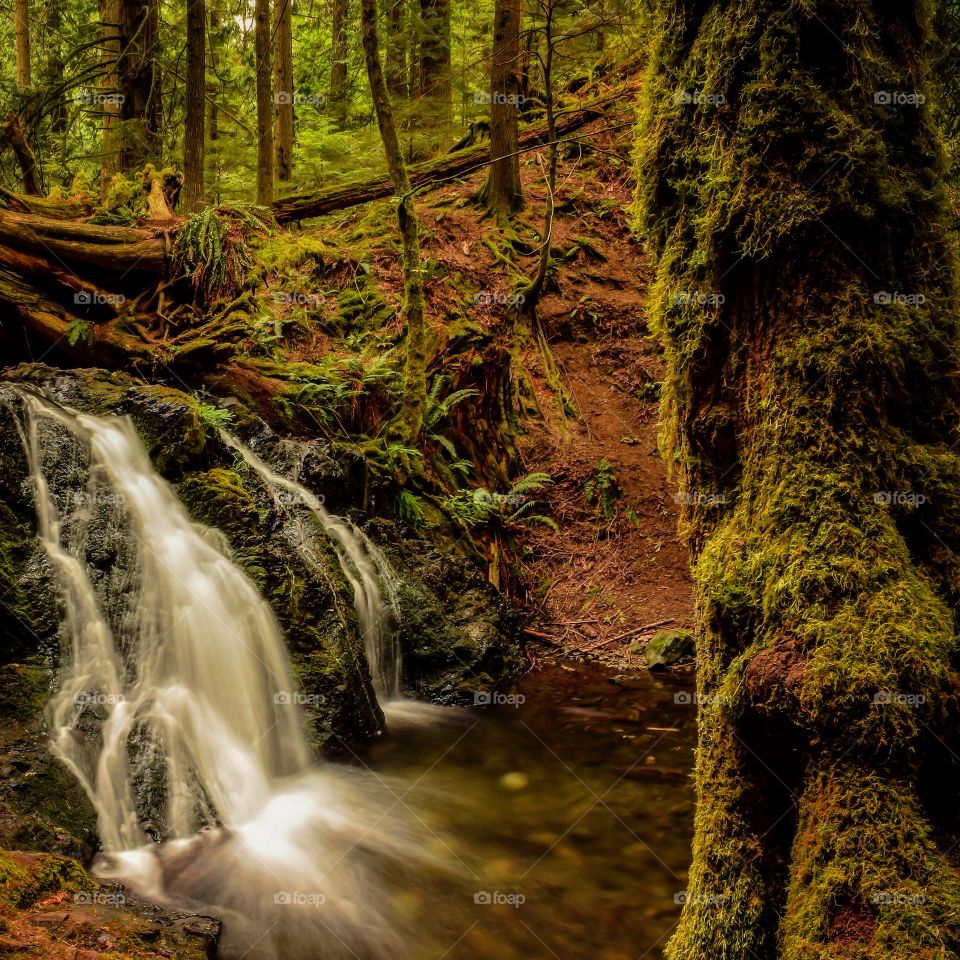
[668, 648]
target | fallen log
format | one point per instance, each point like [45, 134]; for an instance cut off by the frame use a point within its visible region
[118, 250]
[303, 206]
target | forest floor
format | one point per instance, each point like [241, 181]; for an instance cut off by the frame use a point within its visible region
[616, 569]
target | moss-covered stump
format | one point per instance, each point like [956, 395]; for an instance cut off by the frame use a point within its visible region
[790, 184]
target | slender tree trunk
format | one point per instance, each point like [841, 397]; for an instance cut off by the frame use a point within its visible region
[535, 291]
[21, 31]
[109, 93]
[503, 193]
[397, 42]
[196, 88]
[25, 158]
[436, 75]
[138, 84]
[264, 103]
[340, 56]
[410, 421]
[54, 63]
[283, 88]
[806, 296]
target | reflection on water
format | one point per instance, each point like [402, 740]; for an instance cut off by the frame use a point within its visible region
[567, 816]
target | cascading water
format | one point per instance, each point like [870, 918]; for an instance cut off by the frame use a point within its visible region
[362, 564]
[189, 693]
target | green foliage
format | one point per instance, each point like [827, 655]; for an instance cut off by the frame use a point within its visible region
[410, 508]
[601, 490]
[211, 249]
[213, 418]
[480, 507]
[79, 330]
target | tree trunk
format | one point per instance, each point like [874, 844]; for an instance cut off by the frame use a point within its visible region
[283, 88]
[806, 295]
[196, 89]
[109, 94]
[25, 158]
[397, 42]
[54, 63]
[340, 56]
[503, 194]
[410, 421]
[264, 103]
[21, 30]
[435, 115]
[138, 84]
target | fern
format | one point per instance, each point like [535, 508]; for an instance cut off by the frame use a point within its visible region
[79, 329]
[410, 509]
[601, 489]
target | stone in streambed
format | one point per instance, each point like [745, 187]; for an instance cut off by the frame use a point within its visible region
[667, 648]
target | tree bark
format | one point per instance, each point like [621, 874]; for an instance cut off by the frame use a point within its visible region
[805, 294]
[54, 66]
[283, 88]
[109, 93]
[25, 158]
[435, 115]
[138, 84]
[503, 194]
[410, 420]
[21, 30]
[397, 42]
[196, 89]
[264, 103]
[340, 55]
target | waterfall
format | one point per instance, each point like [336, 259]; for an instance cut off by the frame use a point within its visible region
[183, 694]
[363, 565]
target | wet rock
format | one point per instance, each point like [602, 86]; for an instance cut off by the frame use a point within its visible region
[667, 648]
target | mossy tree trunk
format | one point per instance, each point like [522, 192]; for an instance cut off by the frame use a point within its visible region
[790, 186]
[410, 421]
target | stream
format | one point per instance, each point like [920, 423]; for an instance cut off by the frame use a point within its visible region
[554, 822]
[565, 812]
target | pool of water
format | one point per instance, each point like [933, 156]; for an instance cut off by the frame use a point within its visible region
[562, 817]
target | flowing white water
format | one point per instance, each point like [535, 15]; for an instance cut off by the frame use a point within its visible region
[192, 700]
[364, 567]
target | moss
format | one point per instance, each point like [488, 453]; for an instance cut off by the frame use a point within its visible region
[803, 287]
[25, 878]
